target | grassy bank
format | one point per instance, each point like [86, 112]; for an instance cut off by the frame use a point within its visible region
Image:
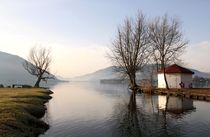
[21, 110]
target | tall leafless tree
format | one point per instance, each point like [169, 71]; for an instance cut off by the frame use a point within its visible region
[129, 50]
[167, 41]
[38, 64]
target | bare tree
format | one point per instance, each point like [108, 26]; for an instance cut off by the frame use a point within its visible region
[129, 50]
[166, 41]
[38, 64]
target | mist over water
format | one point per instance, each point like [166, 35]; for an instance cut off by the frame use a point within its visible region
[108, 110]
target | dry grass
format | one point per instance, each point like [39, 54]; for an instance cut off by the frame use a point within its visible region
[147, 86]
[20, 110]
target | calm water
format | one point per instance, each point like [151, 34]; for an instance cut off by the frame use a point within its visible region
[106, 110]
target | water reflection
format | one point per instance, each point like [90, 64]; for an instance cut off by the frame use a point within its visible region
[174, 104]
[128, 119]
[144, 115]
[93, 110]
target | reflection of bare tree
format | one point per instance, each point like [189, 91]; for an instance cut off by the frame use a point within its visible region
[127, 118]
[133, 117]
[164, 125]
[140, 117]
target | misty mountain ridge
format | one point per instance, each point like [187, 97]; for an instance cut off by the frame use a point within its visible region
[110, 73]
[200, 73]
[106, 73]
[13, 72]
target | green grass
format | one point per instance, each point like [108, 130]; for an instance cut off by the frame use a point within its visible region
[21, 110]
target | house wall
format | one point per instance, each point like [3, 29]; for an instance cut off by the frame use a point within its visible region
[172, 79]
[161, 81]
[186, 79]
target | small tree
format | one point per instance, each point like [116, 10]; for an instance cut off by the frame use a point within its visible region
[166, 41]
[129, 51]
[38, 64]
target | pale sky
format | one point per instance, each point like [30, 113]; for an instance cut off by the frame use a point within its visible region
[79, 31]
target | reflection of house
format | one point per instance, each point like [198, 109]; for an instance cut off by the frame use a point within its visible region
[175, 75]
[174, 104]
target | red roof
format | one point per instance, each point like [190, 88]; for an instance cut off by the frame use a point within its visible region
[176, 69]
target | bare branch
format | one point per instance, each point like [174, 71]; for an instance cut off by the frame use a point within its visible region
[38, 64]
[166, 40]
[130, 47]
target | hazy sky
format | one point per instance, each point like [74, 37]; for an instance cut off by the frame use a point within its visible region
[79, 31]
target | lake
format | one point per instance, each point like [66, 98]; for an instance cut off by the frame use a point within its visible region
[82, 109]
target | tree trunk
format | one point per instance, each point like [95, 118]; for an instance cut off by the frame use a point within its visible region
[162, 64]
[37, 82]
[133, 84]
[164, 73]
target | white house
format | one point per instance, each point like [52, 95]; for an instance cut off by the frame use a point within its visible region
[177, 77]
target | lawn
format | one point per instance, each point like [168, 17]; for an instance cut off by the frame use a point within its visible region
[21, 110]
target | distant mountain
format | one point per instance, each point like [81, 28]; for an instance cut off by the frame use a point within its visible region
[12, 71]
[201, 74]
[110, 73]
[106, 73]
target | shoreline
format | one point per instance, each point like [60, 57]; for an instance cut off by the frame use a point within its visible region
[202, 94]
[21, 110]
